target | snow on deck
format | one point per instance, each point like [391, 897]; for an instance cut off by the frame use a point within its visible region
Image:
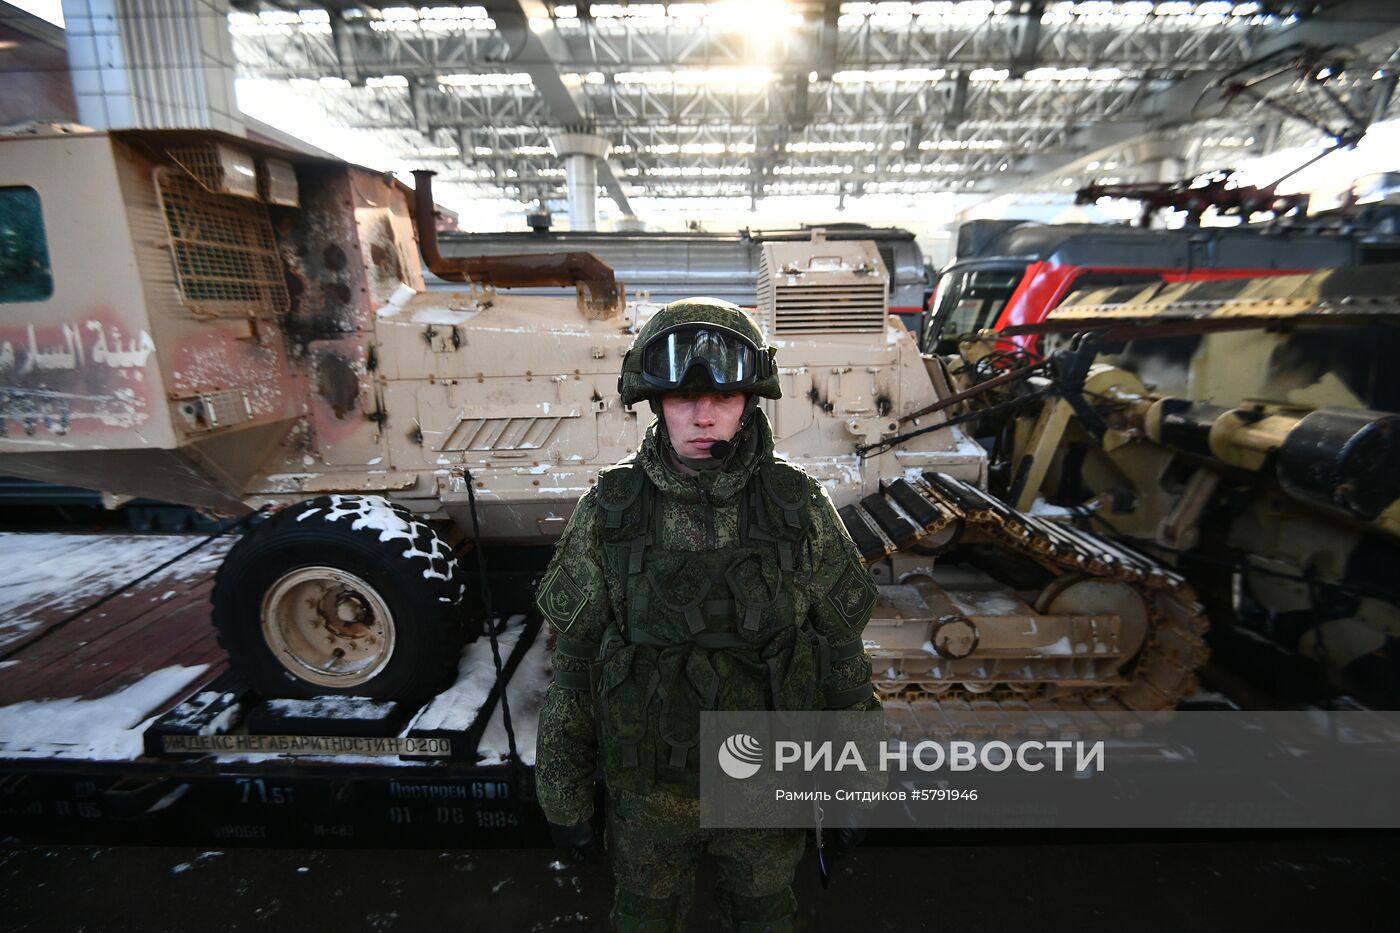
[159, 624]
[525, 692]
[89, 688]
[46, 576]
[109, 728]
[456, 707]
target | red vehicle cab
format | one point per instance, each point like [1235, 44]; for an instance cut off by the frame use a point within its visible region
[1012, 273]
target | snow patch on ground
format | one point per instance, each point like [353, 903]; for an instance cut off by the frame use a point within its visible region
[108, 728]
[44, 576]
[201, 857]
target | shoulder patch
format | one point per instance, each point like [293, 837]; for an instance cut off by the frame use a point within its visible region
[560, 598]
[853, 596]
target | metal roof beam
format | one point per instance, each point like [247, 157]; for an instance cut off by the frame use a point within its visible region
[541, 51]
[1025, 29]
[343, 35]
[1367, 24]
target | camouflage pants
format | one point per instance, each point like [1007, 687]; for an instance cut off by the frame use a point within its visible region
[655, 843]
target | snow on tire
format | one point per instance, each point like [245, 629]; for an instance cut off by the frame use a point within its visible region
[341, 595]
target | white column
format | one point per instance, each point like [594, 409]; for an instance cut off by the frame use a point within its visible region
[581, 152]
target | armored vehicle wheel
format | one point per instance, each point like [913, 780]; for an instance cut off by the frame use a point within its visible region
[341, 595]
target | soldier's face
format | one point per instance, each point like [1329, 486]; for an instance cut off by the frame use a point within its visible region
[695, 420]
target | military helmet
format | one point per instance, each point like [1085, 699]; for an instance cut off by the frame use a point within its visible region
[698, 343]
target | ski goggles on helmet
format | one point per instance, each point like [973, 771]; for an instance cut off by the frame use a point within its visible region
[728, 357]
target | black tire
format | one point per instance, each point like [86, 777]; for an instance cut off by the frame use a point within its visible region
[401, 595]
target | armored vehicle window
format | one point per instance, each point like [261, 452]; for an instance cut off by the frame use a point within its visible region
[25, 274]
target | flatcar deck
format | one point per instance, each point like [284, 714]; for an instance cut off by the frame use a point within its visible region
[84, 694]
[52, 650]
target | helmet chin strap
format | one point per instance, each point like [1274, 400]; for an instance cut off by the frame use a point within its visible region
[721, 451]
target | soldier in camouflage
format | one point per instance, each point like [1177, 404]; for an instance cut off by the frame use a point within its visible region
[702, 573]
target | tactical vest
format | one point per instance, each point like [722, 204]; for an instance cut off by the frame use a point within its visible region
[710, 629]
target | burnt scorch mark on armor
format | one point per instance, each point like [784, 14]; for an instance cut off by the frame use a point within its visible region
[883, 405]
[454, 336]
[322, 275]
[384, 253]
[304, 329]
[816, 399]
[333, 258]
[337, 381]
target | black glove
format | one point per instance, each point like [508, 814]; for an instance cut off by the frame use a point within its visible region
[578, 843]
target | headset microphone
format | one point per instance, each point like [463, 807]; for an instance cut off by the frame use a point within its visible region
[719, 450]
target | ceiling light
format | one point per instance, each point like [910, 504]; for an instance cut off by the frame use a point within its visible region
[695, 77]
[517, 79]
[835, 146]
[890, 76]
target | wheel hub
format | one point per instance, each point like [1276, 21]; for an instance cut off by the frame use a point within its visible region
[328, 627]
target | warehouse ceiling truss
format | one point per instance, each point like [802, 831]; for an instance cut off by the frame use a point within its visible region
[762, 98]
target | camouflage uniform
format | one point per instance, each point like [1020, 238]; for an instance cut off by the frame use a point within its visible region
[733, 588]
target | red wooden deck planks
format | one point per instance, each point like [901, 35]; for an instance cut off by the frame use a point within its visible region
[116, 645]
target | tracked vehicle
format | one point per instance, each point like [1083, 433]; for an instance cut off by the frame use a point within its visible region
[215, 322]
[1249, 432]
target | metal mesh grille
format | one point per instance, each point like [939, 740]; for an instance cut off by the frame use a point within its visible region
[765, 294]
[219, 169]
[829, 309]
[225, 254]
[224, 408]
[886, 250]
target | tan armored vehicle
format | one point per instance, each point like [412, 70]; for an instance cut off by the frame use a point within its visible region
[1249, 430]
[206, 320]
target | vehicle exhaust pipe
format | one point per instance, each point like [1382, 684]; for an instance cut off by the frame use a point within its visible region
[599, 293]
